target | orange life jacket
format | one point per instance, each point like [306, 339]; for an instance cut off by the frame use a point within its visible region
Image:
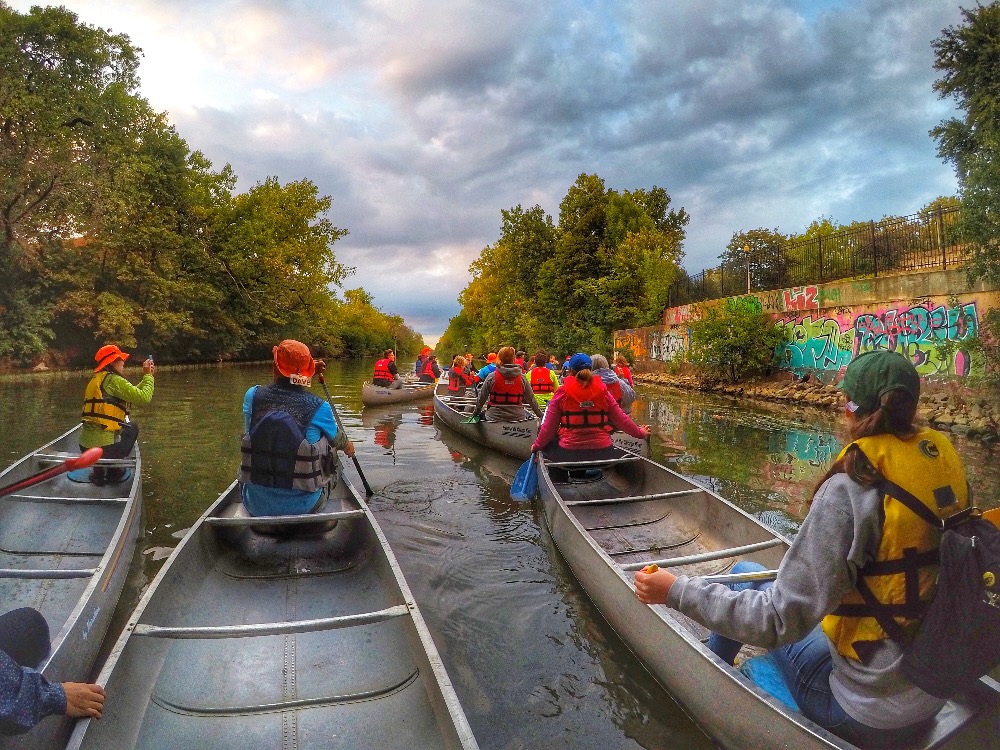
[615, 390]
[585, 406]
[458, 379]
[429, 369]
[382, 370]
[541, 380]
[506, 392]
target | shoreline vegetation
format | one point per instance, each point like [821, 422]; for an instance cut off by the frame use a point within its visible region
[948, 406]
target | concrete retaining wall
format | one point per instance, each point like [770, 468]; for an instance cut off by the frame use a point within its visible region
[923, 315]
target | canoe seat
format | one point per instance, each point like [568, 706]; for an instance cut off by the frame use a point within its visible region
[62, 457]
[67, 500]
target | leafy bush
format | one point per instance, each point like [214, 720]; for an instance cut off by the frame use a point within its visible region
[734, 342]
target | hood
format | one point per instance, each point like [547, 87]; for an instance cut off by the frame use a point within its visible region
[607, 375]
[509, 371]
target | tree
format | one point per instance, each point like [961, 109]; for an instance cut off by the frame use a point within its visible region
[767, 259]
[736, 340]
[967, 57]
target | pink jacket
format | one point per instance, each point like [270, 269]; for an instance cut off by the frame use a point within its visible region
[582, 438]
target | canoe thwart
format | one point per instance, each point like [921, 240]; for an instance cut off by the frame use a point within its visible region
[634, 498]
[585, 464]
[72, 500]
[753, 575]
[305, 518]
[719, 554]
[273, 628]
[47, 574]
[58, 458]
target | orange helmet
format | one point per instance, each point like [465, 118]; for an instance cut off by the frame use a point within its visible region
[294, 358]
[108, 354]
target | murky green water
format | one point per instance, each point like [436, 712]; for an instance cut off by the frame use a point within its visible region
[532, 660]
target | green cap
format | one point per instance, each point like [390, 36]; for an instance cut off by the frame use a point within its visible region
[871, 375]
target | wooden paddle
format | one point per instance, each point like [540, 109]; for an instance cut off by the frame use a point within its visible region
[340, 426]
[88, 458]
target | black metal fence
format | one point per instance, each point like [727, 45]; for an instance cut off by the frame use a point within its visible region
[907, 243]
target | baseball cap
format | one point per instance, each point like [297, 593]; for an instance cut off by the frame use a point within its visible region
[871, 375]
[580, 361]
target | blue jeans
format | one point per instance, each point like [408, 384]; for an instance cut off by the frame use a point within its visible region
[806, 666]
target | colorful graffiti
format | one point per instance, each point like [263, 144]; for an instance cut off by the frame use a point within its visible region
[800, 298]
[927, 332]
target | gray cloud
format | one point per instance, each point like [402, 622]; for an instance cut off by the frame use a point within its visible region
[424, 120]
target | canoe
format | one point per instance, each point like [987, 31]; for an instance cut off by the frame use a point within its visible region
[301, 640]
[65, 549]
[512, 438]
[376, 395]
[638, 512]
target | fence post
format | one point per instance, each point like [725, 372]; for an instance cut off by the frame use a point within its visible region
[819, 246]
[940, 238]
[874, 248]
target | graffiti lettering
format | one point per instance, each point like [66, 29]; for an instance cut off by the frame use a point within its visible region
[800, 298]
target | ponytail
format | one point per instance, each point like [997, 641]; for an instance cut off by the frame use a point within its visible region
[584, 376]
[894, 416]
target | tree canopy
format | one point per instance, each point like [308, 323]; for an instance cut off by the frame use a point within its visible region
[607, 264]
[114, 230]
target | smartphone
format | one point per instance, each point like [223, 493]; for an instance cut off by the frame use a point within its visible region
[149, 357]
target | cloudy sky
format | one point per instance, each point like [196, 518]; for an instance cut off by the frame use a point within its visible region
[423, 119]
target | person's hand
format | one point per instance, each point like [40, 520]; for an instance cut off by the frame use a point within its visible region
[646, 430]
[652, 588]
[320, 366]
[148, 367]
[349, 449]
[83, 700]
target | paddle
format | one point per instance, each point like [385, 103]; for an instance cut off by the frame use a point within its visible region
[340, 426]
[88, 458]
[525, 484]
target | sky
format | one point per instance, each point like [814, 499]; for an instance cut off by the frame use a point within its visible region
[424, 119]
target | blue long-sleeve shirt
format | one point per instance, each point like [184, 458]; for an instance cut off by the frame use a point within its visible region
[279, 501]
[26, 697]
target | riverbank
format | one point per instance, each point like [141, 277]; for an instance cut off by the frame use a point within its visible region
[947, 406]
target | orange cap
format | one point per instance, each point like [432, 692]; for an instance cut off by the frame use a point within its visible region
[108, 354]
[492, 357]
[294, 358]
[425, 350]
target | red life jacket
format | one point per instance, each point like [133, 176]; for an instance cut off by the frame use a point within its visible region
[541, 380]
[382, 371]
[429, 369]
[615, 390]
[458, 379]
[585, 407]
[506, 392]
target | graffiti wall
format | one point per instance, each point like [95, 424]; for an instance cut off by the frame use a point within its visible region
[826, 326]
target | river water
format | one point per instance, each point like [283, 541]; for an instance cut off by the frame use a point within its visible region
[533, 662]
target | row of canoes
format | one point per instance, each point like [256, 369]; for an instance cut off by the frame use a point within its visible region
[282, 632]
[253, 636]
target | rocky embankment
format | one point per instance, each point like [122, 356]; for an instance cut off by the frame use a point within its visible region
[950, 407]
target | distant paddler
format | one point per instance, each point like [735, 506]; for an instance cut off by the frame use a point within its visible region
[291, 437]
[418, 367]
[386, 374]
[506, 393]
[544, 382]
[106, 403]
[432, 370]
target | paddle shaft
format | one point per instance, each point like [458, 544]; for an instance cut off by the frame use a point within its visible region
[88, 458]
[340, 426]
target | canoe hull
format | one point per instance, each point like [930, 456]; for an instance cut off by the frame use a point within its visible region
[313, 641]
[729, 708]
[510, 438]
[374, 395]
[78, 611]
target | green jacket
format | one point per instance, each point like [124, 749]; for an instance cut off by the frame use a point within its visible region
[95, 436]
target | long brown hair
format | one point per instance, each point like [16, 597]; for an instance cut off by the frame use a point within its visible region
[894, 416]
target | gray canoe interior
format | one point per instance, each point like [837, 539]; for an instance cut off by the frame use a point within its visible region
[658, 528]
[348, 687]
[55, 525]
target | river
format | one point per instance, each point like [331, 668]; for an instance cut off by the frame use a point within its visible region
[533, 662]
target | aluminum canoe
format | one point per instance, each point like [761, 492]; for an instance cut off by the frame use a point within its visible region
[639, 512]
[65, 550]
[512, 438]
[376, 395]
[278, 640]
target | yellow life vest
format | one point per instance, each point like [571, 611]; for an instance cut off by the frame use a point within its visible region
[897, 585]
[101, 409]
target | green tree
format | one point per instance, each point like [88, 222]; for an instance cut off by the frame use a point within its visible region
[767, 258]
[734, 341]
[967, 56]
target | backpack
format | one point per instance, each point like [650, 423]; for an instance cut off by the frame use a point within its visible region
[958, 640]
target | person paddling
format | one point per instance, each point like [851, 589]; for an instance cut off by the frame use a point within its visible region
[506, 391]
[386, 374]
[458, 377]
[544, 382]
[106, 404]
[288, 460]
[861, 558]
